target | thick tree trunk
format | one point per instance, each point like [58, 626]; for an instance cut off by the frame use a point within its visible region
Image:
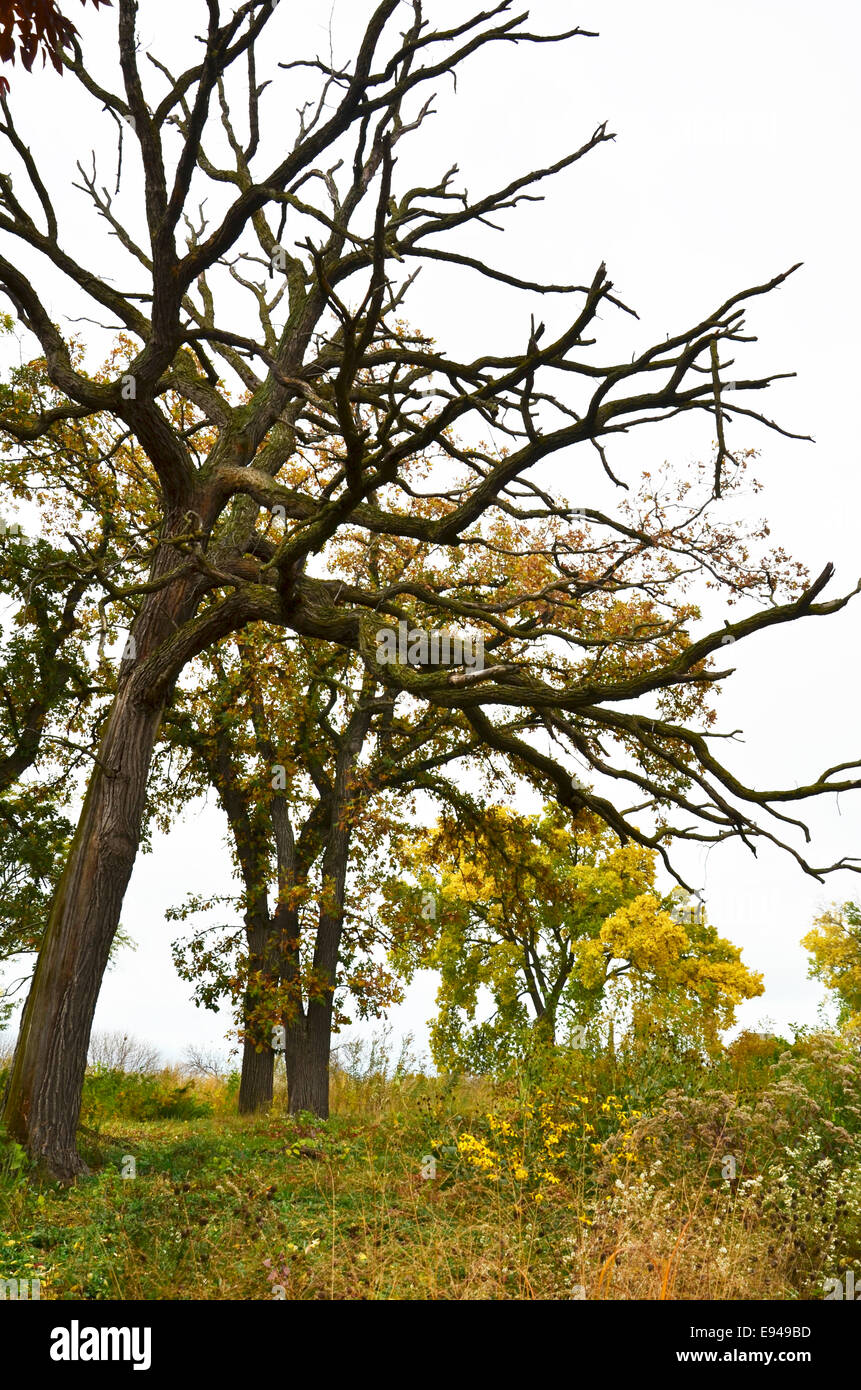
[309, 1042]
[258, 1068]
[258, 1078]
[43, 1097]
[544, 1026]
[309, 1038]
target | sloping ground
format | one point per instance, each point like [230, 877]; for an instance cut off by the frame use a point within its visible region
[418, 1190]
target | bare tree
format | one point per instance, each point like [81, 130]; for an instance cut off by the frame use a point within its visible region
[116, 1051]
[323, 369]
[201, 1061]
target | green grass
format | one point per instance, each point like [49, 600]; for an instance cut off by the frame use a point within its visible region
[556, 1188]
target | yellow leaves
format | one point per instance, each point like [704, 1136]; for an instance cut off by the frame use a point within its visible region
[538, 909]
[644, 934]
[732, 979]
[591, 963]
[503, 1127]
[834, 943]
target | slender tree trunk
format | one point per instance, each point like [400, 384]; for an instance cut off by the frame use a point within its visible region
[309, 1034]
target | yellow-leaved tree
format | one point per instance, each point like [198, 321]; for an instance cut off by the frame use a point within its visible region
[834, 943]
[546, 926]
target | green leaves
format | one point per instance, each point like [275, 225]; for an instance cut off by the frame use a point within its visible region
[544, 924]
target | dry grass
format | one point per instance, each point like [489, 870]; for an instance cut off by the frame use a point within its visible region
[532, 1193]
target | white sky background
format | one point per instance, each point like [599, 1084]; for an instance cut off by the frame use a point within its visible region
[737, 135]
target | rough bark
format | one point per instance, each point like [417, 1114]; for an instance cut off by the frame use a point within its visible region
[257, 1081]
[309, 1042]
[43, 1095]
[309, 1038]
[258, 1059]
[43, 1098]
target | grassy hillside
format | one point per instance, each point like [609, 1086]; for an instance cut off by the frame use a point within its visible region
[649, 1178]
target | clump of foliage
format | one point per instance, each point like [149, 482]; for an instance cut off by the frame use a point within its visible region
[111, 1093]
[564, 929]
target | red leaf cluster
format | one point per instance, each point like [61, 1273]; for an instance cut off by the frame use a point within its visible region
[28, 27]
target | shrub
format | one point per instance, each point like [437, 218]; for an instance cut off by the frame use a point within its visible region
[139, 1096]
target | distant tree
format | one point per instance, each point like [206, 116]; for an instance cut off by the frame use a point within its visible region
[834, 942]
[311, 845]
[551, 920]
[310, 763]
[118, 1051]
[201, 1061]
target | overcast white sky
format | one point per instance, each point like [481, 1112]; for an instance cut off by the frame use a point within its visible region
[737, 135]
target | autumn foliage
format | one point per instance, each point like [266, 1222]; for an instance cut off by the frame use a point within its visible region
[31, 27]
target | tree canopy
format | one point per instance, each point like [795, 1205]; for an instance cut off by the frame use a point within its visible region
[834, 943]
[560, 928]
